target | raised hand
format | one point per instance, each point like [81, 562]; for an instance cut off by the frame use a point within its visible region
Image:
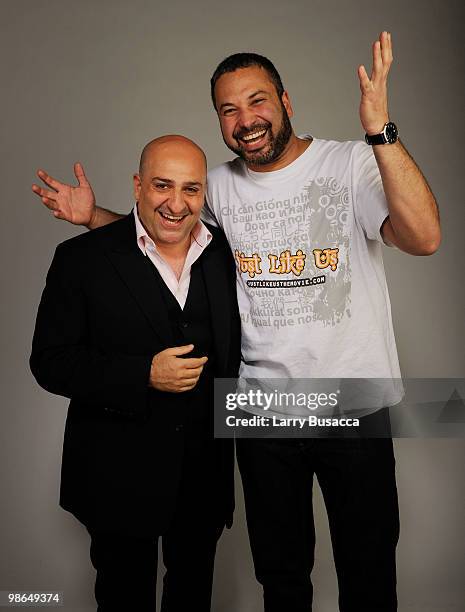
[73, 204]
[374, 105]
[170, 373]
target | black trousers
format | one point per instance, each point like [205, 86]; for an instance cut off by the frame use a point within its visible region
[127, 569]
[127, 564]
[357, 478]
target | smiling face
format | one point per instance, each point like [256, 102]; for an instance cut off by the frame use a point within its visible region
[254, 121]
[170, 190]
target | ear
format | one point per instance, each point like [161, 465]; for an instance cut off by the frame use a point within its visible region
[137, 186]
[287, 104]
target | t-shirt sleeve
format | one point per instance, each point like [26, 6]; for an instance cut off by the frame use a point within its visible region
[370, 204]
[207, 215]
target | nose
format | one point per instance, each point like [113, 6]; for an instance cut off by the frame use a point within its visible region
[247, 118]
[176, 203]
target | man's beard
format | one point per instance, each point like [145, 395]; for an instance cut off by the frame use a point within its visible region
[274, 148]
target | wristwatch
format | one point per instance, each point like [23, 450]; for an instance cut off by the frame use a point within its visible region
[389, 135]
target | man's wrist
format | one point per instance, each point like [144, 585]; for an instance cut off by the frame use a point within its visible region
[388, 135]
[374, 132]
[93, 223]
[377, 127]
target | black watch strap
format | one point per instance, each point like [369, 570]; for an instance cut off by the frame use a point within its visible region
[389, 135]
[375, 139]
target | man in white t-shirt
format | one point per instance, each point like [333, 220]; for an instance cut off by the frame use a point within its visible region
[306, 220]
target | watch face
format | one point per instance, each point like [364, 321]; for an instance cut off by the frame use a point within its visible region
[391, 132]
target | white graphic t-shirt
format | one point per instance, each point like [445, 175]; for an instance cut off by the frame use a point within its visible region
[311, 285]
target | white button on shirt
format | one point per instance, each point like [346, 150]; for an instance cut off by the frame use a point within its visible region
[200, 239]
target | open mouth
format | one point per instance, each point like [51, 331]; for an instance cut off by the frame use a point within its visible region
[253, 138]
[171, 219]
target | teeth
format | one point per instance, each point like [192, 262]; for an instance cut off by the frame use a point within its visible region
[254, 135]
[171, 217]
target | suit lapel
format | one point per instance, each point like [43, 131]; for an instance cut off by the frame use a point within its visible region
[136, 272]
[218, 291]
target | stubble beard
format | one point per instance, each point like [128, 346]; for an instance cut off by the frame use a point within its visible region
[276, 144]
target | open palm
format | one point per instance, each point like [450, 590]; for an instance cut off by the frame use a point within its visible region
[374, 101]
[73, 204]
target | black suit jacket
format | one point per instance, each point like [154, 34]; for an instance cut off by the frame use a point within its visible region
[100, 321]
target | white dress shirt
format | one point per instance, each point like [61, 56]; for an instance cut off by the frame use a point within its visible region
[200, 239]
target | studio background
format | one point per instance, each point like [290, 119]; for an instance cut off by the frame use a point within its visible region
[94, 81]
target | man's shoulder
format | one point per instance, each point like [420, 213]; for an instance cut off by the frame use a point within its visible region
[101, 236]
[341, 146]
[342, 155]
[226, 169]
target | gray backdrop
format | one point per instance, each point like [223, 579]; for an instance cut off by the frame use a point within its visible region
[94, 81]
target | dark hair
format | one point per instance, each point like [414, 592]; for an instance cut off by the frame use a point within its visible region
[246, 60]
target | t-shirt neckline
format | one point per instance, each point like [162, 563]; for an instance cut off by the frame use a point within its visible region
[290, 169]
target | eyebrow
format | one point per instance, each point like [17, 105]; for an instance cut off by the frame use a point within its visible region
[256, 93]
[192, 184]
[260, 91]
[171, 182]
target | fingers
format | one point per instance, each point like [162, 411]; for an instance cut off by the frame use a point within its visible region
[179, 386]
[43, 193]
[365, 83]
[377, 60]
[49, 180]
[373, 104]
[47, 197]
[193, 362]
[382, 56]
[179, 350]
[50, 203]
[169, 372]
[184, 374]
[80, 175]
[188, 377]
[386, 49]
[189, 382]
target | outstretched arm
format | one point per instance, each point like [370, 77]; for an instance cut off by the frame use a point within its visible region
[413, 223]
[73, 204]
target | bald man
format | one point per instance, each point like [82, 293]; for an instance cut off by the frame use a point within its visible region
[134, 322]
